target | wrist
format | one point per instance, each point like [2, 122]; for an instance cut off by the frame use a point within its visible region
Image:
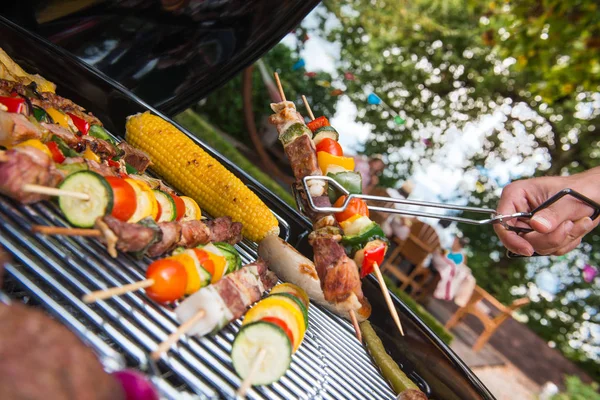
[587, 183]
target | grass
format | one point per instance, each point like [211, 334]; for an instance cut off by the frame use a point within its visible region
[208, 134]
[423, 314]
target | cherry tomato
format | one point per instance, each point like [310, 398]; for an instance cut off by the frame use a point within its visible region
[205, 261]
[179, 207]
[280, 323]
[57, 155]
[124, 200]
[170, 280]
[330, 146]
[356, 206]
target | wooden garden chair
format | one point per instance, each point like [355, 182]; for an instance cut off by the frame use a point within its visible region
[490, 323]
[422, 241]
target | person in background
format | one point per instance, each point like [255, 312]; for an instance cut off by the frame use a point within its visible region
[559, 228]
[370, 169]
[396, 225]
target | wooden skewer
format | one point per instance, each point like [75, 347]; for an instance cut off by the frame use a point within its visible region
[116, 291]
[388, 299]
[174, 337]
[355, 324]
[310, 113]
[50, 191]
[247, 381]
[59, 230]
[279, 87]
[3, 156]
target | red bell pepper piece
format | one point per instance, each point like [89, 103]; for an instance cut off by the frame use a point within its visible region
[114, 164]
[57, 155]
[81, 124]
[13, 104]
[372, 255]
[318, 123]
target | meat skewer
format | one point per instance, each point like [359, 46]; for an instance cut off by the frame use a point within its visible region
[375, 265]
[156, 239]
[337, 273]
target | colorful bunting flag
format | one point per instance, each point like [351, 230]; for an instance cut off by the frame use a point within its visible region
[427, 142]
[310, 74]
[399, 120]
[349, 76]
[299, 64]
[336, 92]
[325, 84]
[479, 187]
[373, 99]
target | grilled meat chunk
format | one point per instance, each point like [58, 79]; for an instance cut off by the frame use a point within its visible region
[171, 235]
[222, 229]
[16, 128]
[134, 157]
[193, 233]
[26, 165]
[303, 157]
[131, 237]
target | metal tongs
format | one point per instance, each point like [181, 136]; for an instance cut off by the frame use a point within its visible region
[492, 220]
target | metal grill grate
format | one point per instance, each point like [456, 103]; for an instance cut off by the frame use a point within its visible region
[330, 364]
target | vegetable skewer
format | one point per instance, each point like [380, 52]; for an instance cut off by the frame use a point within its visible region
[185, 272]
[374, 265]
[214, 306]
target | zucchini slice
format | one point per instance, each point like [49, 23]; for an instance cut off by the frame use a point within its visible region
[254, 338]
[83, 213]
[168, 212]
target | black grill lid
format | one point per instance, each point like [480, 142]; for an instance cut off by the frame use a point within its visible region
[170, 53]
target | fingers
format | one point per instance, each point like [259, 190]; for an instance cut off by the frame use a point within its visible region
[563, 239]
[514, 242]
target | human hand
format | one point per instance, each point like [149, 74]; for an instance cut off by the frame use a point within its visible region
[559, 228]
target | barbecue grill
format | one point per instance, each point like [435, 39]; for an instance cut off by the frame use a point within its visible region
[57, 271]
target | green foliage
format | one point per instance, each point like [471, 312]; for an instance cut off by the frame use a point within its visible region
[205, 132]
[423, 314]
[445, 65]
[577, 390]
[224, 107]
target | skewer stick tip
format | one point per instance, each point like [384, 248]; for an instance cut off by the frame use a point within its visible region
[310, 113]
[356, 326]
[388, 299]
[246, 383]
[178, 333]
[279, 87]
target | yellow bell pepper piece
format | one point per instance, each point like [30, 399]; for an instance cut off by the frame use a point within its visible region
[193, 278]
[59, 117]
[285, 310]
[36, 144]
[90, 155]
[192, 209]
[345, 224]
[147, 206]
[325, 160]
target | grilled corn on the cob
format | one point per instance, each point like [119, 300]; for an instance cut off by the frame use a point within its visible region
[194, 172]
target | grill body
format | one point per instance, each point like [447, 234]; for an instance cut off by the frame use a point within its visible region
[57, 271]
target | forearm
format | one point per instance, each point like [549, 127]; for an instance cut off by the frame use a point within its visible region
[586, 183]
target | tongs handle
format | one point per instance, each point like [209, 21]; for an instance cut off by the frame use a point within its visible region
[565, 192]
[494, 217]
